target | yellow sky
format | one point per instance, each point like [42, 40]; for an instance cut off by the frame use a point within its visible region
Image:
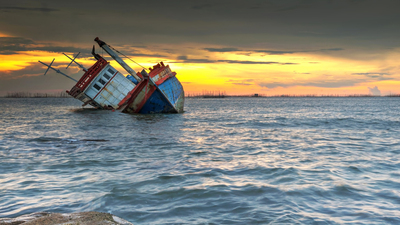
[311, 74]
[231, 72]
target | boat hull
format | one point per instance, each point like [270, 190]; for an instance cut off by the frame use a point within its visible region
[149, 98]
[103, 87]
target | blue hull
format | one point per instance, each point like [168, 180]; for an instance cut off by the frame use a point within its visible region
[168, 98]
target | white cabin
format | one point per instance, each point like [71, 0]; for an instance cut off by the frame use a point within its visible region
[109, 87]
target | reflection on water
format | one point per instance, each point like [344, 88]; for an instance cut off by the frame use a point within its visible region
[223, 161]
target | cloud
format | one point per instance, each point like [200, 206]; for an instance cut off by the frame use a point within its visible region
[253, 62]
[324, 84]
[31, 79]
[375, 76]
[330, 50]
[300, 73]
[273, 52]
[145, 55]
[362, 31]
[28, 9]
[222, 49]
[182, 57]
[15, 41]
[330, 82]
[34, 69]
[374, 91]
[185, 59]
[11, 45]
[270, 52]
[245, 82]
[297, 24]
[371, 74]
[14, 45]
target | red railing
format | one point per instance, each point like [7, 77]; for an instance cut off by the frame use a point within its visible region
[87, 78]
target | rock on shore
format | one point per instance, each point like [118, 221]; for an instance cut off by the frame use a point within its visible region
[82, 218]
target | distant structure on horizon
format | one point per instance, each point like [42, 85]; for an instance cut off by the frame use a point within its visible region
[37, 95]
[222, 94]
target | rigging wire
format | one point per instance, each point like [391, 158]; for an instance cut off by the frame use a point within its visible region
[126, 57]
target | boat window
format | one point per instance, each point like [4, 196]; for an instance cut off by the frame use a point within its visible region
[106, 76]
[102, 81]
[111, 71]
[97, 87]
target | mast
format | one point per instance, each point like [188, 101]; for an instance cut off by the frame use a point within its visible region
[73, 60]
[121, 62]
[57, 70]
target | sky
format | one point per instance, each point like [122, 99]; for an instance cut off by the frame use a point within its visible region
[268, 47]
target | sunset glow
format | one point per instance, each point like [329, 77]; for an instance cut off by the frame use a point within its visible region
[239, 56]
[294, 74]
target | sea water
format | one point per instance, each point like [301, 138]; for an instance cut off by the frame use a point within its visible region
[223, 161]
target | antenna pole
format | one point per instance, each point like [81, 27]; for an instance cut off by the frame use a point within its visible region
[73, 60]
[49, 66]
[58, 71]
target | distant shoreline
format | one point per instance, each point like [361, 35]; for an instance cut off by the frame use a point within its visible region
[36, 95]
[205, 94]
[299, 96]
[288, 96]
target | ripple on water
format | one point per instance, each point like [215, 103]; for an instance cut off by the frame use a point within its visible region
[223, 161]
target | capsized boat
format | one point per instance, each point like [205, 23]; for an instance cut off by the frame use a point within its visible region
[104, 87]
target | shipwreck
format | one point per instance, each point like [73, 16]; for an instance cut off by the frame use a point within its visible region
[104, 87]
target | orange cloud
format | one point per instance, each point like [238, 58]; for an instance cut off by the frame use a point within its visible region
[236, 72]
